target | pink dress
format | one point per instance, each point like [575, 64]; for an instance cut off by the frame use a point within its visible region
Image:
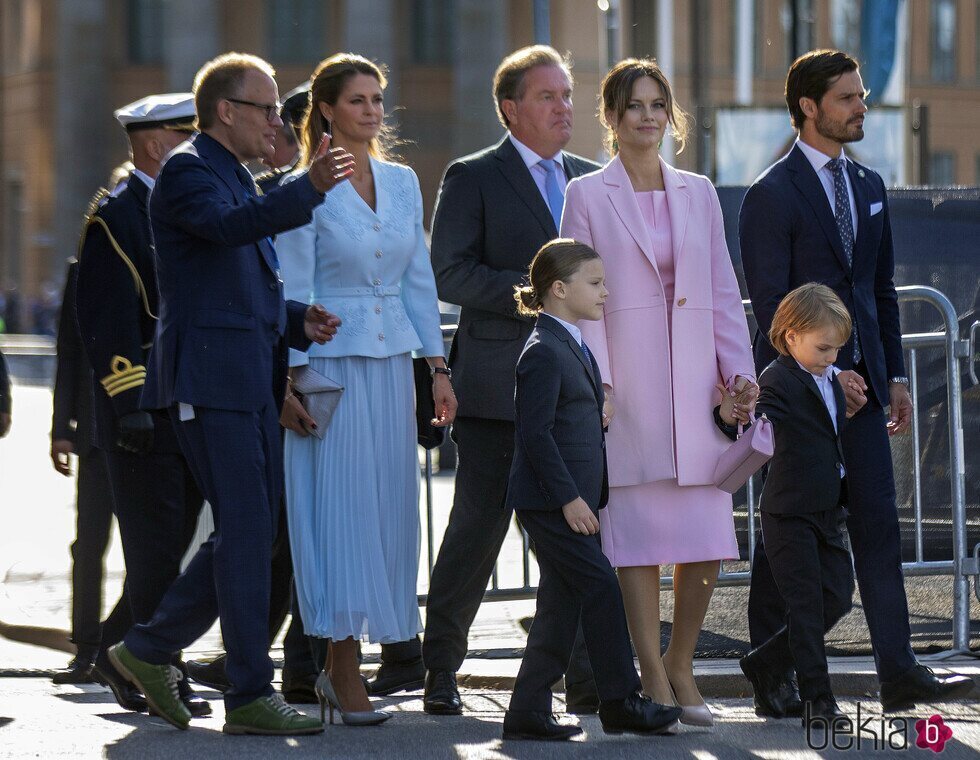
[662, 522]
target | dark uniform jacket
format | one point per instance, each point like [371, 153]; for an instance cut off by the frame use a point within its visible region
[490, 220]
[560, 449]
[117, 306]
[72, 419]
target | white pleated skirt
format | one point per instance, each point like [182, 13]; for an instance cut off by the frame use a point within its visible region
[353, 506]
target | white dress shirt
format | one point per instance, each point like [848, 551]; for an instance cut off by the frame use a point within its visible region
[538, 173]
[147, 179]
[573, 329]
[819, 161]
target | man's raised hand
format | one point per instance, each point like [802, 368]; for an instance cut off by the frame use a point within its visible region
[329, 166]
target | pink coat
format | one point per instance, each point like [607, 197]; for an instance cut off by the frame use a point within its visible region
[664, 389]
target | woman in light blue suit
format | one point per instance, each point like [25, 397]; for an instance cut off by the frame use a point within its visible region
[352, 497]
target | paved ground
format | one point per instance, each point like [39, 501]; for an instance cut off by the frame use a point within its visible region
[46, 721]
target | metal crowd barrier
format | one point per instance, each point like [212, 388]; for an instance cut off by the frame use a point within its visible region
[961, 567]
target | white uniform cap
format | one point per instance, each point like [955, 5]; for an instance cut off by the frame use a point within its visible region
[171, 111]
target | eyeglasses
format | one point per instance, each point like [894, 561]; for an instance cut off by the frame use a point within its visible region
[271, 112]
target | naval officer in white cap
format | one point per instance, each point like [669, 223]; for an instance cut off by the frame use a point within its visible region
[156, 500]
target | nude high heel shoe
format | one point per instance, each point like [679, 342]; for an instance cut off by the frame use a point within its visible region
[327, 697]
[694, 715]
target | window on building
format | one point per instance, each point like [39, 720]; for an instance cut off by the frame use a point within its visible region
[942, 168]
[942, 35]
[145, 31]
[643, 28]
[800, 20]
[845, 26]
[432, 31]
[296, 31]
[759, 41]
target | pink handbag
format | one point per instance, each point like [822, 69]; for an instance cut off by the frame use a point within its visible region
[745, 456]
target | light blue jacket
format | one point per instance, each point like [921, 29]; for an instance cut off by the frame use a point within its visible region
[371, 269]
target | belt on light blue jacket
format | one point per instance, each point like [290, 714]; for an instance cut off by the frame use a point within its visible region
[377, 291]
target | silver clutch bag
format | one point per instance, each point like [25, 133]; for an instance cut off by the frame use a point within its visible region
[319, 396]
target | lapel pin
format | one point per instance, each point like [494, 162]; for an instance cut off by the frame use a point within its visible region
[861, 173]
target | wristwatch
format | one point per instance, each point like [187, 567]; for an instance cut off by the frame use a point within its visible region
[899, 379]
[442, 371]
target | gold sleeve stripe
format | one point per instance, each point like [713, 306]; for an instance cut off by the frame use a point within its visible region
[137, 280]
[123, 377]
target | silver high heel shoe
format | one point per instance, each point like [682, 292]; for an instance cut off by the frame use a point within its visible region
[328, 699]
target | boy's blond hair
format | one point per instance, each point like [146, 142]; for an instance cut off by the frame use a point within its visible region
[808, 308]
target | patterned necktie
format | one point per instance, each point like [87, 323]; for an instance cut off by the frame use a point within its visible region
[587, 354]
[845, 226]
[842, 208]
[249, 184]
[556, 201]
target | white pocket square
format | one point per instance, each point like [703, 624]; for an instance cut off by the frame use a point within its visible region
[875, 208]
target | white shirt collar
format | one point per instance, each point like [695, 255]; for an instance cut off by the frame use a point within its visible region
[531, 158]
[818, 159]
[573, 329]
[827, 373]
[144, 177]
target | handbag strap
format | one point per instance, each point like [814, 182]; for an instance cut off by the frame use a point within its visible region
[754, 418]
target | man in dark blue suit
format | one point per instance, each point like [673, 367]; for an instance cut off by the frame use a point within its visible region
[218, 365]
[155, 498]
[818, 216]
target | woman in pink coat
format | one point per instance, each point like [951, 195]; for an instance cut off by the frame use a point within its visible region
[673, 330]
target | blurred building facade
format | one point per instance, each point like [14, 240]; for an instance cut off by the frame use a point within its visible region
[66, 64]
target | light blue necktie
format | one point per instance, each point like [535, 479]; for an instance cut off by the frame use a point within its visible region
[556, 201]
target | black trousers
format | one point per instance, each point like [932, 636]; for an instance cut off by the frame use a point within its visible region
[477, 526]
[812, 570]
[577, 584]
[93, 523]
[872, 525]
[157, 505]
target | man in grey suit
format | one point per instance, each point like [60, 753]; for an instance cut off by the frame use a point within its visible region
[495, 209]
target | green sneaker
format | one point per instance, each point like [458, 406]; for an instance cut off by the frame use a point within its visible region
[157, 682]
[270, 716]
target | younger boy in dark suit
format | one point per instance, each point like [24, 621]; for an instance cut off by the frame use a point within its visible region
[803, 498]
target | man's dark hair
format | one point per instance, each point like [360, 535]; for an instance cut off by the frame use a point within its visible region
[811, 75]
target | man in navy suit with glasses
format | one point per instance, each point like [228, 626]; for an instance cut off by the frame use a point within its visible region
[218, 364]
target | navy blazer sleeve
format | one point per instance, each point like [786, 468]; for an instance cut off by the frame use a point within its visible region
[4, 386]
[886, 298]
[67, 376]
[296, 325]
[765, 232]
[536, 399]
[196, 203]
[458, 234]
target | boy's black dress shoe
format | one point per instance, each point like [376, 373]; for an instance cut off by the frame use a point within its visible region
[581, 698]
[441, 694]
[408, 675]
[920, 684]
[127, 695]
[637, 714]
[775, 695]
[823, 709]
[210, 674]
[536, 726]
[79, 670]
